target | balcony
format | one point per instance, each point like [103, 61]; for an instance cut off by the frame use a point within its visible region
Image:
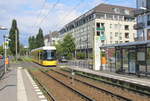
[139, 26]
[138, 12]
[148, 23]
[101, 29]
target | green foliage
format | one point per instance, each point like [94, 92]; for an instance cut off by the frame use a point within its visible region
[66, 47]
[23, 50]
[80, 55]
[40, 39]
[1, 50]
[32, 42]
[12, 36]
[59, 49]
[103, 54]
[36, 42]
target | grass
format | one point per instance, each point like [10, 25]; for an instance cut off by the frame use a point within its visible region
[27, 59]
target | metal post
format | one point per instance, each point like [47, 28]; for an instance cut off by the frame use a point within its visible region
[5, 53]
[16, 43]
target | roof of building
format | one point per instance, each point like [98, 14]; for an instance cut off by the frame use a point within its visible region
[114, 9]
[103, 8]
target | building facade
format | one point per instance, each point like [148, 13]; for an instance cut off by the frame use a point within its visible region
[51, 39]
[142, 14]
[104, 24]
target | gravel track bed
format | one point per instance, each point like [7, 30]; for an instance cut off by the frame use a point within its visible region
[59, 92]
[116, 90]
[89, 91]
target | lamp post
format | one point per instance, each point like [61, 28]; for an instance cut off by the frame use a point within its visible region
[16, 44]
[5, 51]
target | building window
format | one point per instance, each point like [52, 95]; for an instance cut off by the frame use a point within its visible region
[116, 34]
[126, 27]
[126, 35]
[116, 42]
[120, 38]
[126, 41]
[110, 26]
[98, 33]
[98, 25]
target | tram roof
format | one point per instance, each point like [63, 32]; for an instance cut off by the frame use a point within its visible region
[126, 44]
[45, 48]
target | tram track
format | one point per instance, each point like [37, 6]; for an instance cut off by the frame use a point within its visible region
[98, 88]
[140, 92]
[74, 90]
[133, 95]
[49, 94]
[108, 93]
[58, 91]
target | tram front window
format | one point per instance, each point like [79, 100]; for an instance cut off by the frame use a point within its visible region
[49, 55]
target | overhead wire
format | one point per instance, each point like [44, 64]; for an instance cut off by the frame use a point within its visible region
[75, 7]
[38, 16]
[54, 5]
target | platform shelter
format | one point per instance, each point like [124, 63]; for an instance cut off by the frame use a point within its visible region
[132, 57]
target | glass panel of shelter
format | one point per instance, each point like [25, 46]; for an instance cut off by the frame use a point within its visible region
[148, 58]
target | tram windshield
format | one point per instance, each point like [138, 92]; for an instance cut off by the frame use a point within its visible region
[49, 55]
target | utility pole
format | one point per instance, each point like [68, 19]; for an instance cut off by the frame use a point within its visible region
[5, 53]
[16, 44]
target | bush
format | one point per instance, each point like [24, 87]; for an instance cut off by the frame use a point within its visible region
[80, 55]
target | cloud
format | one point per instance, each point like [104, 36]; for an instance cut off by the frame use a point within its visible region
[26, 12]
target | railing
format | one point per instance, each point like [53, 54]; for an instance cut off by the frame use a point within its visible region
[2, 69]
[79, 63]
[139, 26]
[139, 12]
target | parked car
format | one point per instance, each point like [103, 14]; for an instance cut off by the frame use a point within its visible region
[63, 59]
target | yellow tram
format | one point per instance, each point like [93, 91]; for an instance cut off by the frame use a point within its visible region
[45, 56]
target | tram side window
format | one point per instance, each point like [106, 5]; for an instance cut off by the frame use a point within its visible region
[44, 55]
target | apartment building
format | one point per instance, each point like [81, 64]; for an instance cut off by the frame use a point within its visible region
[51, 39]
[142, 14]
[104, 24]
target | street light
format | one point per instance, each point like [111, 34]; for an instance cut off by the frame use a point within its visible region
[16, 44]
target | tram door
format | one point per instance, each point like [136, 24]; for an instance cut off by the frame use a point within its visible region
[132, 61]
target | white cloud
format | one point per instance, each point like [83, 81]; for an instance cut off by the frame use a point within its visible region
[26, 12]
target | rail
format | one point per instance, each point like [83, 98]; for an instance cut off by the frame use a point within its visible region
[117, 85]
[74, 90]
[43, 87]
[103, 90]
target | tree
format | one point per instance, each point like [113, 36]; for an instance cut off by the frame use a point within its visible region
[12, 36]
[32, 42]
[66, 47]
[59, 49]
[1, 50]
[40, 39]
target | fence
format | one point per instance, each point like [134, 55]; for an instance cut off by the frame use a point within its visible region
[2, 69]
[79, 63]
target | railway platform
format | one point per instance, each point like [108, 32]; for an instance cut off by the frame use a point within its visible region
[130, 79]
[18, 85]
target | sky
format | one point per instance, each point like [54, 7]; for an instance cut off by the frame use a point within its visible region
[50, 15]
